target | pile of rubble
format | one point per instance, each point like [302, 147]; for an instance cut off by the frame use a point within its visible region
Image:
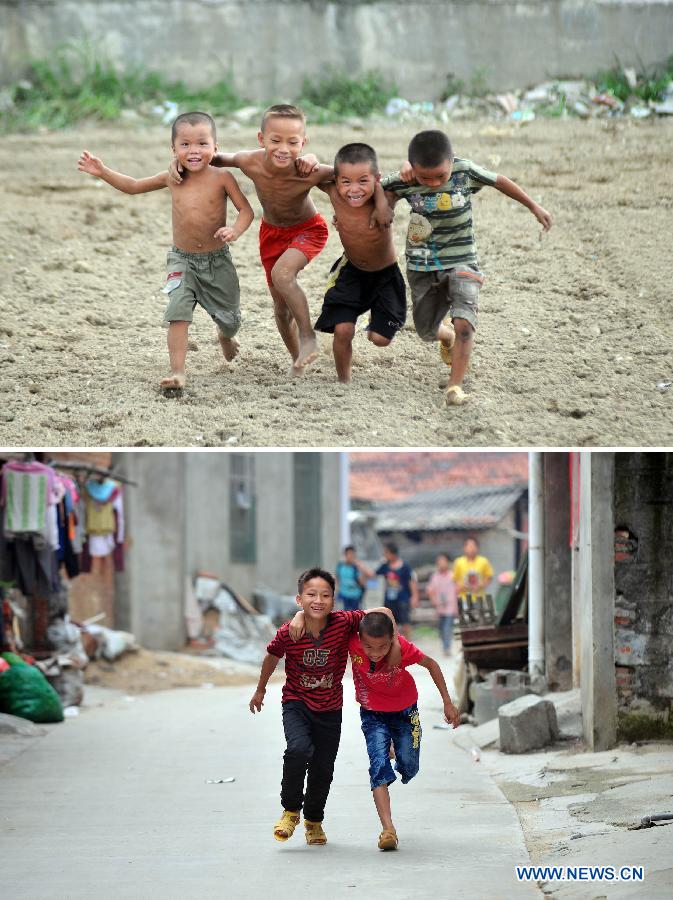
[581, 99]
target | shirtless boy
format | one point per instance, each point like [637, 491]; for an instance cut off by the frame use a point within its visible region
[199, 266]
[366, 278]
[291, 232]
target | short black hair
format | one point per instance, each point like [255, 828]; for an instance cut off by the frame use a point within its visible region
[356, 153]
[193, 118]
[429, 149]
[392, 547]
[282, 111]
[348, 547]
[315, 572]
[376, 625]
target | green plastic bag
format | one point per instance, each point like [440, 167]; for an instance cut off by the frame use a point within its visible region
[25, 692]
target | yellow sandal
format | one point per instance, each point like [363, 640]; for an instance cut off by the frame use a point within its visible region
[455, 396]
[388, 839]
[314, 833]
[285, 826]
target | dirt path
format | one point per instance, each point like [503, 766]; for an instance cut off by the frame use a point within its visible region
[576, 330]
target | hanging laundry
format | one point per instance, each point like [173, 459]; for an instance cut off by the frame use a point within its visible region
[29, 496]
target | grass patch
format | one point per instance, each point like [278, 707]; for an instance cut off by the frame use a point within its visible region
[640, 727]
[650, 82]
[337, 95]
[79, 83]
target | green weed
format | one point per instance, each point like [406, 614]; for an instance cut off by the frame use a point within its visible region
[336, 95]
[650, 82]
[79, 83]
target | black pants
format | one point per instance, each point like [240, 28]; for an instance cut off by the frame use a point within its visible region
[312, 744]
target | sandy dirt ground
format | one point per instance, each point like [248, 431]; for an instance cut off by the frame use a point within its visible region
[151, 670]
[575, 330]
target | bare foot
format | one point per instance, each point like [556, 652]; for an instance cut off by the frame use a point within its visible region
[308, 351]
[230, 347]
[174, 381]
[294, 372]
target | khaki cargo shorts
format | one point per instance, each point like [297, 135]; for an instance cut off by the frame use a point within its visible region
[440, 292]
[208, 279]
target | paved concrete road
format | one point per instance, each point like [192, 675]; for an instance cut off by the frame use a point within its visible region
[114, 804]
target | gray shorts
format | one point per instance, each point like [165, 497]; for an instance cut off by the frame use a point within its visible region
[439, 292]
[208, 279]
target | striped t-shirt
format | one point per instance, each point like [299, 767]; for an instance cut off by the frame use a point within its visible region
[441, 234]
[314, 667]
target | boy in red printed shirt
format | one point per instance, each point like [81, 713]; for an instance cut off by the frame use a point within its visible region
[388, 710]
[315, 646]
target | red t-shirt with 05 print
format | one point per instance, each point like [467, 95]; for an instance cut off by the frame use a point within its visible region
[381, 689]
[314, 667]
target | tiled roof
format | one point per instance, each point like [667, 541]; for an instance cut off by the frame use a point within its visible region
[461, 507]
[380, 477]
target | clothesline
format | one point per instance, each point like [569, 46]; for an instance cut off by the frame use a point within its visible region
[95, 470]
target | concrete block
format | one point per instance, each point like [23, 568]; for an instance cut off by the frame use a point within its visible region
[501, 686]
[527, 724]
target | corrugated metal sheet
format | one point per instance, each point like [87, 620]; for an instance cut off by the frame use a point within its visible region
[451, 508]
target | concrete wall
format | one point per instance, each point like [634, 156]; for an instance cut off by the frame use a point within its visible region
[597, 600]
[267, 46]
[644, 582]
[178, 524]
[557, 572]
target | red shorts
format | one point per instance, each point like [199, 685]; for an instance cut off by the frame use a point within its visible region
[308, 237]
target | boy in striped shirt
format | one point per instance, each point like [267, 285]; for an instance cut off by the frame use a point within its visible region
[441, 252]
[312, 699]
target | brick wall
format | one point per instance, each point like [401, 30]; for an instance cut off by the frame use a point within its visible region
[644, 581]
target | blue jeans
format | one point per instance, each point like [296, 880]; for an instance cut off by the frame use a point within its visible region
[404, 730]
[350, 603]
[446, 631]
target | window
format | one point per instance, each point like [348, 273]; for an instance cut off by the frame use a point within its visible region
[307, 510]
[242, 509]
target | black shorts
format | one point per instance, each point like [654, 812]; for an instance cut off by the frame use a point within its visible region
[352, 292]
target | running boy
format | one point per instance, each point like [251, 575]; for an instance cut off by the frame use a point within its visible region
[199, 267]
[366, 278]
[389, 711]
[292, 233]
[441, 252]
[312, 699]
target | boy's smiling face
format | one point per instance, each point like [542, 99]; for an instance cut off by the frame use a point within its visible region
[282, 140]
[433, 176]
[375, 647]
[194, 146]
[356, 182]
[316, 598]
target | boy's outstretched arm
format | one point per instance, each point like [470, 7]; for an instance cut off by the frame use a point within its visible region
[451, 714]
[269, 664]
[92, 165]
[508, 187]
[229, 233]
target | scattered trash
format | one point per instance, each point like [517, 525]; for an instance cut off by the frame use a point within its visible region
[475, 753]
[70, 712]
[219, 780]
[443, 726]
[664, 386]
[554, 98]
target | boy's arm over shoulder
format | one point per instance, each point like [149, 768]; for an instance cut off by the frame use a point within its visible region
[241, 159]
